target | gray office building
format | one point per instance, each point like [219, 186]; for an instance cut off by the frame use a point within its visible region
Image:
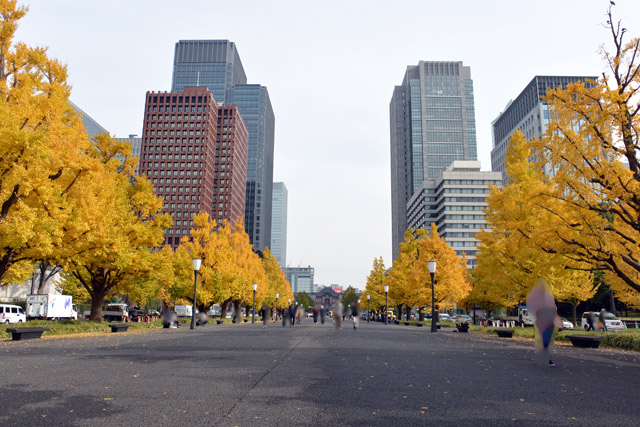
[136, 144]
[456, 203]
[93, 128]
[300, 279]
[216, 65]
[528, 113]
[432, 123]
[278, 245]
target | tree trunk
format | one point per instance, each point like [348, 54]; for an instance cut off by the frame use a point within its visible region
[237, 316]
[96, 308]
[408, 310]
[399, 307]
[575, 315]
[421, 314]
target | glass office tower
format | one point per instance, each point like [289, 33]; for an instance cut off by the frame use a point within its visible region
[216, 65]
[432, 117]
[279, 223]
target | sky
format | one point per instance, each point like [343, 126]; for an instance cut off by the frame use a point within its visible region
[330, 68]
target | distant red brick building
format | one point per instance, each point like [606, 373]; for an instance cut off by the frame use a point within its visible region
[196, 161]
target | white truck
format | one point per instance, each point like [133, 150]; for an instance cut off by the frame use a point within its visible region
[116, 312]
[51, 307]
[184, 310]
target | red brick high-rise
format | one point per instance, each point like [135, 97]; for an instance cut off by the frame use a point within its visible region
[182, 156]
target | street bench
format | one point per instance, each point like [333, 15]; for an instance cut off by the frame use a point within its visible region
[585, 341]
[119, 327]
[407, 323]
[19, 334]
[201, 322]
[462, 327]
[219, 322]
[505, 333]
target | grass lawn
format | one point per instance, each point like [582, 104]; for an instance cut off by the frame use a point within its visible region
[627, 340]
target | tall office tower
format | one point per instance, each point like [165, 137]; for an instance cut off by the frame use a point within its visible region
[432, 124]
[216, 65]
[528, 113]
[456, 202]
[278, 245]
[183, 157]
[230, 174]
[136, 145]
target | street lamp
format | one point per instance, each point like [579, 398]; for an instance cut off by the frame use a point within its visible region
[253, 315]
[386, 304]
[276, 308]
[432, 270]
[368, 298]
[196, 268]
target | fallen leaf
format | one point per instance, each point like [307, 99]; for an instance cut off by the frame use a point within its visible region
[108, 398]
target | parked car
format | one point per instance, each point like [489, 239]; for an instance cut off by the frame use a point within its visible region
[565, 324]
[611, 321]
[12, 314]
[444, 317]
[463, 318]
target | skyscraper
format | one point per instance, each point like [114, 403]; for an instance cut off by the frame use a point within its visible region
[432, 124]
[216, 65]
[194, 153]
[528, 113]
[279, 223]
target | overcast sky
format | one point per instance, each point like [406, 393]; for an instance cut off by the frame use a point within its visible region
[330, 67]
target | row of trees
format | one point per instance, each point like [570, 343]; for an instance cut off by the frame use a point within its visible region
[409, 279]
[73, 204]
[571, 210]
[582, 216]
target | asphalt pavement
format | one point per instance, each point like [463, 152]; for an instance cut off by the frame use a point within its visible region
[239, 375]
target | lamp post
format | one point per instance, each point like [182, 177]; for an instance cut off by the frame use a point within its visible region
[253, 315]
[277, 295]
[386, 304]
[432, 270]
[368, 298]
[196, 268]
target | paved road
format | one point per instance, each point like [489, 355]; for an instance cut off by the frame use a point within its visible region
[238, 375]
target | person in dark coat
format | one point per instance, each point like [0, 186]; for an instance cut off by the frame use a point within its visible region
[314, 312]
[323, 314]
[292, 313]
[266, 313]
[285, 316]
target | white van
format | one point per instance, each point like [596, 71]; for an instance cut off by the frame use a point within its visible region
[612, 322]
[11, 314]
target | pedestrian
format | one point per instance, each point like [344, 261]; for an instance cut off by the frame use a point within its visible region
[590, 317]
[299, 313]
[602, 317]
[337, 315]
[285, 316]
[323, 314]
[314, 313]
[266, 312]
[541, 300]
[355, 312]
[292, 314]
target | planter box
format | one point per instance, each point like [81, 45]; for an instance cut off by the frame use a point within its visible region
[419, 325]
[406, 323]
[505, 333]
[119, 327]
[19, 334]
[586, 341]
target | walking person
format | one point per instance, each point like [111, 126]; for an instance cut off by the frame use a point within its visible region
[590, 317]
[299, 313]
[355, 312]
[285, 317]
[323, 314]
[602, 317]
[337, 315]
[266, 312]
[292, 314]
[541, 300]
[314, 313]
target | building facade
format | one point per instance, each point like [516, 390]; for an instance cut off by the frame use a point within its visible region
[182, 154]
[528, 113]
[136, 145]
[300, 279]
[432, 124]
[278, 245]
[456, 203]
[216, 65]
